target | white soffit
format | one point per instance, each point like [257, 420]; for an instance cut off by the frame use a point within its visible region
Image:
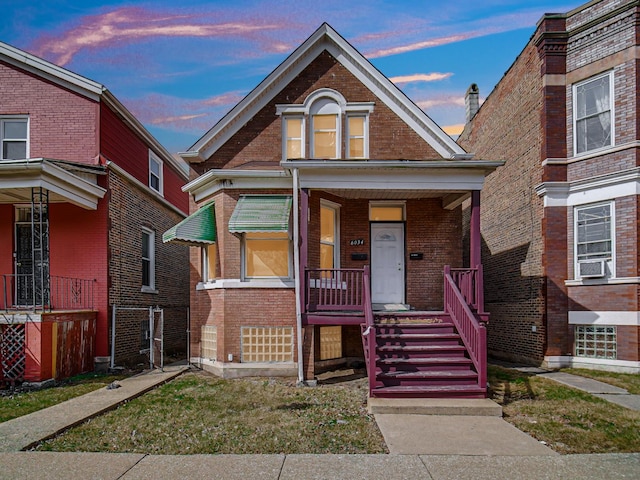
[324, 38]
[40, 173]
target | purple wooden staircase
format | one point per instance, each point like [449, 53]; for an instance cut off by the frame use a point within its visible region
[431, 355]
[421, 355]
[409, 354]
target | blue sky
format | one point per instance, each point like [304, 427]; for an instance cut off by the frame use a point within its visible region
[180, 66]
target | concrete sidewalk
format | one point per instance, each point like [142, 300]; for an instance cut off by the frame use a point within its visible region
[26, 431]
[129, 466]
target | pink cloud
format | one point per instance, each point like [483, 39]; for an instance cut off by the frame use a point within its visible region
[420, 77]
[131, 24]
[441, 101]
[385, 52]
[182, 114]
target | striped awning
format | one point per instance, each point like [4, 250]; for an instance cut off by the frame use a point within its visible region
[261, 213]
[198, 228]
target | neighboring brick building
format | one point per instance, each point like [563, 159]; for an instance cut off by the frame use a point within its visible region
[323, 169]
[560, 219]
[85, 192]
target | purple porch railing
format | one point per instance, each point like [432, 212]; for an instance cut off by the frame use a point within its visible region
[64, 293]
[335, 289]
[471, 330]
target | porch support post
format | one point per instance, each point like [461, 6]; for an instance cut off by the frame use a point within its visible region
[304, 236]
[475, 237]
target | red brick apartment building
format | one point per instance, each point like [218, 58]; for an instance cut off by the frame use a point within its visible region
[328, 229]
[85, 194]
[560, 220]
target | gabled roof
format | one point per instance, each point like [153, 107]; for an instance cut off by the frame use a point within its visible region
[87, 88]
[324, 38]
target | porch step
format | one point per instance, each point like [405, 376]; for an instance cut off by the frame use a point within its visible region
[414, 351]
[448, 374]
[430, 391]
[434, 406]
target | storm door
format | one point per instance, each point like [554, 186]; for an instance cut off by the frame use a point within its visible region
[31, 256]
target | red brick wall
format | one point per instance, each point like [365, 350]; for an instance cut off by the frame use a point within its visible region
[507, 127]
[62, 123]
[131, 209]
[260, 140]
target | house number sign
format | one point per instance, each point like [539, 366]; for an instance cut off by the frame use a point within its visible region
[357, 242]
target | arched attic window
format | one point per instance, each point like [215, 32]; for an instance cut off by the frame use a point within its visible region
[325, 118]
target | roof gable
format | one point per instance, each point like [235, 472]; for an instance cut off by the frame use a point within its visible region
[325, 38]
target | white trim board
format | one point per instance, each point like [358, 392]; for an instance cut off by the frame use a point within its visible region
[604, 318]
[568, 361]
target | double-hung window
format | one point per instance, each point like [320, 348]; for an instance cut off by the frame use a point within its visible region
[14, 136]
[329, 235]
[148, 260]
[357, 144]
[155, 173]
[294, 136]
[594, 245]
[593, 114]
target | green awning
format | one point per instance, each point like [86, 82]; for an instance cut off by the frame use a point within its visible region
[261, 213]
[198, 228]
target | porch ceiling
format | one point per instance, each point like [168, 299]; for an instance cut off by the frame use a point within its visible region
[18, 177]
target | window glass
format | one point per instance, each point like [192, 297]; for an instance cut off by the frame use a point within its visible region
[13, 133]
[147, 259]
[593, 127]
[593, 225]
[267, 255]
[324, 136]
[209, 260]
[155, 173]
[383, 213]
[293, 127]
[356, 137]
[328, 237]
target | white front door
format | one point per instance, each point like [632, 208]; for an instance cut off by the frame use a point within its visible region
[387, 263]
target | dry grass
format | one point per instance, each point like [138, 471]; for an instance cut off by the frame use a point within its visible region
[567, 420]
[199, 413]
[14, 404]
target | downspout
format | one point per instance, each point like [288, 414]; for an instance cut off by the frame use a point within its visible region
[296, 269]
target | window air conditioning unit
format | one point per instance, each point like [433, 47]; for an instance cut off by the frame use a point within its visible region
[591, 268]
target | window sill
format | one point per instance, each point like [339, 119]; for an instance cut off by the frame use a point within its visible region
[237, 283]
[579, 282]
[149, 290]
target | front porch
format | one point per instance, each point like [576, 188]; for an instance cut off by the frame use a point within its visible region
[408, 353]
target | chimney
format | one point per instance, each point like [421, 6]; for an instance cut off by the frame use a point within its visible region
[471, 101]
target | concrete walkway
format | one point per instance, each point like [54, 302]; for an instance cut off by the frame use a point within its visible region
[26, 431]
[131, 466]
[433, 442]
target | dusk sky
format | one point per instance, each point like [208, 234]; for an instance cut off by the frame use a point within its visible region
[180, 66]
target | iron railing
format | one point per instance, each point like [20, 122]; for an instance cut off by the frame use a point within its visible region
[22, 292]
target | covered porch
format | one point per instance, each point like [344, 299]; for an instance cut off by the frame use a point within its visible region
[48, 317]
[417, 298]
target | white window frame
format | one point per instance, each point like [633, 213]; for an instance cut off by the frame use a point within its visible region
[286, 136]
[325, 101]
[365, 135]
[154, 159]
[244, 277]
[611, 111]
[336, 230]
[326, 106]
[13, 118]
[151, 287]
[207, 275]
[610, 263]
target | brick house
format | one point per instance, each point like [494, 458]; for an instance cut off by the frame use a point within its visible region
[560, 219]
[326, 210]
[85, 192]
